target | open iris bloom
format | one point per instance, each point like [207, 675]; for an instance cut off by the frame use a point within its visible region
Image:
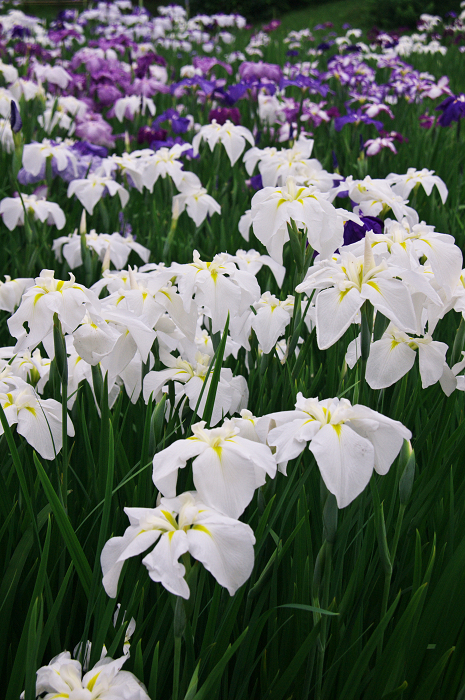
[273, 208]
[347, 441]
[62, 678]
[91, 189]
[38, 421]
[231, 136]
[226, 470]
[13, 208]
[346, 283]
[68, 299]
[394, 354]
[177, 526]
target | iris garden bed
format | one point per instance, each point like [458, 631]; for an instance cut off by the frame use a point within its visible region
[232, 313]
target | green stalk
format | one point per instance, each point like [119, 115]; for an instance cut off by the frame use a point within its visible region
[458, 343]
[61, 360]
[176, 667]
[366, 332]
[324, 620]
[395, 542]
[170, 237]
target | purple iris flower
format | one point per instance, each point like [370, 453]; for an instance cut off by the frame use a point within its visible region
[352, 48]
[108, 94]
[19, 32]
[25, 178]
[95, 129]
[206, 63]
[354, 232]
[292, 52]
[235, 92]
[207, 86]
[67, 15]
[169, 143]
[15, 118]
[165, 116]
[222, 114]
[148, 87]
[256, 182]
[272, 26]
[304, 81]
[255, 71]
[426, 121]
[333, 112]
[143, 64]
[24, 49]
[357, 117]
[85, 148]
[179, 124]
[453, 109]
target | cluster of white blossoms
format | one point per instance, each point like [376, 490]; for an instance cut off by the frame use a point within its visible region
[139, 169]
[63, 678]
[409, 273]
[229, 463]
[232, 137]
[275, 166]
[110, 248]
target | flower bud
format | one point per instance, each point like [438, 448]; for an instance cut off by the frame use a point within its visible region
[407, 456]
[61, 357]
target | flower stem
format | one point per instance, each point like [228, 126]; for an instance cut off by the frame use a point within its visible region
[324, 620]
[366, 332]
[458, 343]
[176, 667]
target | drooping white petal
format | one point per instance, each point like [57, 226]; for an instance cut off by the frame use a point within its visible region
[224, 481]
[432, 358]
[345, 460]
[335, 311]
[388, 362]
[386, 435]
[290, 438]
[167, 462]
[393, 299]
[163, 566]
[118, 549]
[225, 547]
[269, 325]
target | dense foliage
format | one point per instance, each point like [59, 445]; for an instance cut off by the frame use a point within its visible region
[223, 465]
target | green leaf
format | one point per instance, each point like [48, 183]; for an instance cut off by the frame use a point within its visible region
[218, 358]
[396, 693]
[279, 690]
[307, 608]
[192, 689]
[428, 686]
[352, 685]
[27, 650]
[214, 676]
[75, 550]
[152, 686]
